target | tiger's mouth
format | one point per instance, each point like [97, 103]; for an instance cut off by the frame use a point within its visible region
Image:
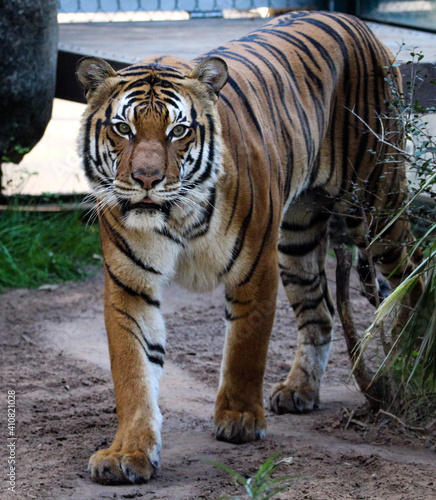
[142, 205]
[146, 205]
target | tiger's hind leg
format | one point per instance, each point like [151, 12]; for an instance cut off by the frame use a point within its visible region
[302, 251]
[391, 254]
[339, 234]
[374, 290]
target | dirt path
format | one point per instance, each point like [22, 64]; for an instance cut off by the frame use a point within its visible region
[54, 355]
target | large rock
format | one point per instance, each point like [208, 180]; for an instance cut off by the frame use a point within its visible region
[28, 53]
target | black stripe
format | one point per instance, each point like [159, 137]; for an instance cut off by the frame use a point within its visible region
[325, 56]
[155, 360]
[97, 160]
[390, 256]
[122, 245]
[246, 104]
[87, 148]
[108, 113]
[171, 94]
[273, 104]
[294, 279]
[229, 316]
[201, 227]
[307, 304]
[319, 322]
[236, 160]
[199, 160]
[300, 249]
[136, 93]
[237, 302]
[165, 232]
[130, 291]
[210, 158]
[327, 341]
[169, 101]
[264, 240]
[240, 239]
[150, 357]
[150, 345]
[296, 226]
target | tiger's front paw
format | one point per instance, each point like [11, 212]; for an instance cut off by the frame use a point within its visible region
[239, 427]
[108, 467]
[285, 398]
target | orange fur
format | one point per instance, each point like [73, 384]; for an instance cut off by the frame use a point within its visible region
[207, 182]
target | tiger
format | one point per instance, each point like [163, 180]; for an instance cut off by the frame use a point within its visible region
[226, 170]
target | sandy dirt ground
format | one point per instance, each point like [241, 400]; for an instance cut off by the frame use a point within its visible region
[54, 355]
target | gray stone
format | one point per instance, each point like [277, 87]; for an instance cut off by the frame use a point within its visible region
[28, 54]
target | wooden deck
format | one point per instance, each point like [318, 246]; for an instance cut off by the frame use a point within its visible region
[127, 43]
[132, 42]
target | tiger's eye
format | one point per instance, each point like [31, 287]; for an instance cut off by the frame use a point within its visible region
[123, 128]
[178, 131]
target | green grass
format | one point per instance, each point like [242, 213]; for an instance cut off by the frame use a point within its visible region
[45, 248]
[260, 486]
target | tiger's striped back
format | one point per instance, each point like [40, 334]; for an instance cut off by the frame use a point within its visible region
[307, 89]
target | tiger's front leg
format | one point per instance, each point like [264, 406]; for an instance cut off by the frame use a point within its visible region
[250, 310]
[136, 338]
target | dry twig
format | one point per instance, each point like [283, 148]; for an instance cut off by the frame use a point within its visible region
[375, 391]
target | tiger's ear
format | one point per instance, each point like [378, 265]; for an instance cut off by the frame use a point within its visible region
[91, 72]
[213, 72]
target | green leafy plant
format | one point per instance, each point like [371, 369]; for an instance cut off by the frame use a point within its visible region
[421, 151]
[410, 358]
[5, 158]
[412, 354]
[21, 150]
[261, 486]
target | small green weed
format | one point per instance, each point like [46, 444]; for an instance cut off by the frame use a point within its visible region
[261, 486]
[51, 247]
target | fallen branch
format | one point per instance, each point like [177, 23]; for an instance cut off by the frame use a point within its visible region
[354, 421]
[407, 426]
[375, 391]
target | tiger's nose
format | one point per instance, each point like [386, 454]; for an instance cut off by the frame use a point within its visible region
[147, 181]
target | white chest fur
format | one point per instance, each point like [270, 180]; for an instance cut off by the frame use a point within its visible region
[200, 265]
[196, 264]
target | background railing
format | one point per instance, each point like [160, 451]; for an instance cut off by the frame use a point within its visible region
[419, 14]
[145, 10]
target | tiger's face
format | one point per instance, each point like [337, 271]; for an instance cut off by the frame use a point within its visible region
[150, 138]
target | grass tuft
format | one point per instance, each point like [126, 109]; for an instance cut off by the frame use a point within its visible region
[261, 486]
[44, 248]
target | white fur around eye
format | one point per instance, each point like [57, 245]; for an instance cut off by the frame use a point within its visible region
[178, 115]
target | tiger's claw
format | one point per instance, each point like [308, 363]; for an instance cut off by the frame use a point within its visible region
[285, 399]
[117, 468]
[239, 427]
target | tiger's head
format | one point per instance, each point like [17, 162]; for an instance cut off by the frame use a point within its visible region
[150, 137]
